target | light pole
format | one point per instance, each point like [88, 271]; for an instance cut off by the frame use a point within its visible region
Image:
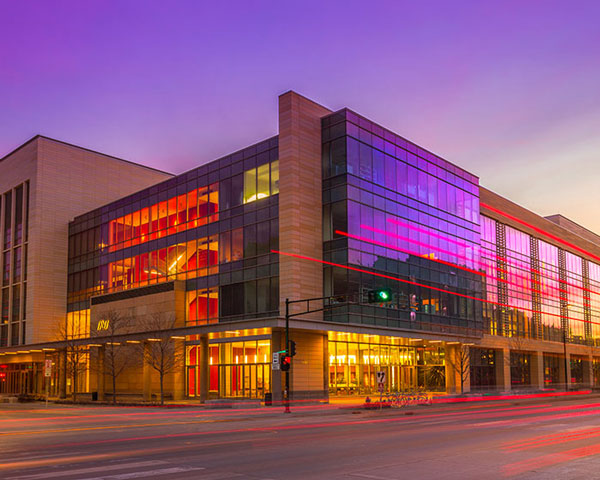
[565, 353]
[287, 351]
[307, 310]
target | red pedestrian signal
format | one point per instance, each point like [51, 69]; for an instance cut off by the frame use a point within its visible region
[286, 362]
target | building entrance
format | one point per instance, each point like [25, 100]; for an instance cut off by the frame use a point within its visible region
[354, 363]
[237, 369]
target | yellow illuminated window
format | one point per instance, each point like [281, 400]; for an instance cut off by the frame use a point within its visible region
[250, 185]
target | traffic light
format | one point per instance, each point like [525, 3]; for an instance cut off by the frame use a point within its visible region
[292, 351]
[285, 361]
[381, 295]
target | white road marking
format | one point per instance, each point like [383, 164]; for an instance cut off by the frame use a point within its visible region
[148, 473]
[64, 473]
[368, 476]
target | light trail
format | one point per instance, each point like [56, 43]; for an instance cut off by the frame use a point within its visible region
[539, 230]
[452, 254]
[549, 460]
[416, 254]
[173, 414]
[472, 415]
[559, 438]
[433, 234]
[523, 288]
[389, 277]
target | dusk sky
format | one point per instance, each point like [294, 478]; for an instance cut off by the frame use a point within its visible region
[508, 90]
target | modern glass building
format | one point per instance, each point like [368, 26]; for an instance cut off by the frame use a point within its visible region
[332, 208]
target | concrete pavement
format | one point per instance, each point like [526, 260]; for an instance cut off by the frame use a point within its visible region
[530, 438]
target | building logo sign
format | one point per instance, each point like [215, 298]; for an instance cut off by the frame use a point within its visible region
[102, 325]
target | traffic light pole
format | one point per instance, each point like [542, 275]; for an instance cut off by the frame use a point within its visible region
[287, 350]
[286, 392]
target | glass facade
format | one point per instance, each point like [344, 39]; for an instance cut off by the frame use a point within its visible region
[236, 369]
[537, 290]
[213, 227]
[482, 363]
[14, 241]
[393, 208]
[354, 361]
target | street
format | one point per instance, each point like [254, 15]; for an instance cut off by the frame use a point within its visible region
[545, 438]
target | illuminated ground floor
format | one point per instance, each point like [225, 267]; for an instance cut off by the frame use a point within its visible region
[239, 364]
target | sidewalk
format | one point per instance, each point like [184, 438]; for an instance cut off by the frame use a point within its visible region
[346, 402]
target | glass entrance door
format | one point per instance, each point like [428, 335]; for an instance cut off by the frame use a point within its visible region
[243, 381]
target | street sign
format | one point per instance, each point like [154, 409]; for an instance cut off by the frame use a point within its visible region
[381, 377]
[380, 387]
[275, 365]
[48, 368]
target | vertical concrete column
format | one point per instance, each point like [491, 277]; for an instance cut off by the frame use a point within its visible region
[100, 377]
[277, 340]
[450, 354]
[503, 369]
[204, 366]
[588, 375]
[62, 374]
[326, 366]
[537, 370]
[224, 379]
[564, 371]
[178, 388]
[301, 190]
[307, 366]
[146, 375]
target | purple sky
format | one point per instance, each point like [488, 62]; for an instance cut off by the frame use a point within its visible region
[508, 90]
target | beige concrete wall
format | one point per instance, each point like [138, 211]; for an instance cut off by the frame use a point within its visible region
[307, 369]
[300, 197]
[15, 170]
[140, 308]
[502, 204]
[66, 181]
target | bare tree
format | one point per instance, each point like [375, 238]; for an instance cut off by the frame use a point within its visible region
[595, 366]
[461, 364]
[116, 357]
[75, 356]
[161, 350]
[519, 370]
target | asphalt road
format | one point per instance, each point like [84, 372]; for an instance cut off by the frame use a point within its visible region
[541, 439]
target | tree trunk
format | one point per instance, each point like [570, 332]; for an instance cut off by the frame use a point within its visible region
[114, 385]
[74, 384]
[162, 397]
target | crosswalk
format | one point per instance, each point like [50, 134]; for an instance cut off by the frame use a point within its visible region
[131, 470]
[120, 471]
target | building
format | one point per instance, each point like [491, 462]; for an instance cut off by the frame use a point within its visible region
[485, 295]
[44, 184]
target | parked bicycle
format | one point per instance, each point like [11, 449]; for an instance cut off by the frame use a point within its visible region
[406, 399]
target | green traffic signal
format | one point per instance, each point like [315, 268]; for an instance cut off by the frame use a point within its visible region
[380, 295]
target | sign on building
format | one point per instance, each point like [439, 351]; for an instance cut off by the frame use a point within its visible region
[276, 365]
[48, 368]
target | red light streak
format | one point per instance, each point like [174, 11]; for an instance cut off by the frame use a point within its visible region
[436, 235]
[381, 275]
[545, 440]
[426, 245]
[551, 459]
[539, 230]
[479, 262]
[389, 245]
[522, 288]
